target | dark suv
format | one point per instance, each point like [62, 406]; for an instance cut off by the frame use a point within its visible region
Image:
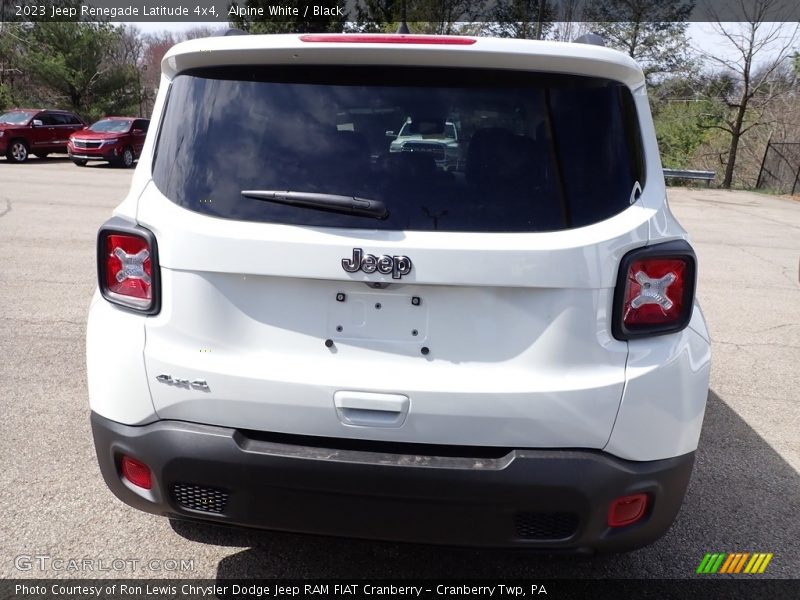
[36, 131]
[117, 140]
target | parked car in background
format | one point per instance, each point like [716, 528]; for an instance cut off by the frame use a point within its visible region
[26, 131]
[431, 136]
[117, 140]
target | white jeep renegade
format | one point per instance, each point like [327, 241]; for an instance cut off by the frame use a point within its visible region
[298, 329]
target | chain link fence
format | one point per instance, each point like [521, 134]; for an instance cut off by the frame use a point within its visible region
[780, 168]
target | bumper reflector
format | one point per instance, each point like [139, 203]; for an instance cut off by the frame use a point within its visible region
[627, 510]
[136, 472]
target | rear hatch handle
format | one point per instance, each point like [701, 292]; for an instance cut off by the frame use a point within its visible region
[369, 409]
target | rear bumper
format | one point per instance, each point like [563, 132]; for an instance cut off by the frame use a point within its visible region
[553, 499]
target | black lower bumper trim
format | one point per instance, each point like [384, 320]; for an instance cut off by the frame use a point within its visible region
[556, 499]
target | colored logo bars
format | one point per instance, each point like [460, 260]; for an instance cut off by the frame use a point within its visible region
[737, 562]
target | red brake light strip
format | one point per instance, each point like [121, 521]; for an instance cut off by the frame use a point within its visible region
[388, 39]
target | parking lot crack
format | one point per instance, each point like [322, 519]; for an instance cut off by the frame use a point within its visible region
[51, 322]
[746, 345]
[735, 207]
[783, 326]
[761, 258]
[7, 209]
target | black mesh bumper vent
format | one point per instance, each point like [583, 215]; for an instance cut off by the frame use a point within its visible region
[546, 526]
[196, 497]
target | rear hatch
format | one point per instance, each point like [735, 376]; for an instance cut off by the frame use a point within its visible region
[467, 305]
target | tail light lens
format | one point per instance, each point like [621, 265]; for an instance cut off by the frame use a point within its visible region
[127, 266]
[655, 290]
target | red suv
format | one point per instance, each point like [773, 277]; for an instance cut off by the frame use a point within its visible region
[25, 131]
[117, 140]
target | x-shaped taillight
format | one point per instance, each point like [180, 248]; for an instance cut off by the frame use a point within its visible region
[132, 265]
[653, 291]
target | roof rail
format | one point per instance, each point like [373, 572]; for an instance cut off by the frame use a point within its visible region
[590, 38]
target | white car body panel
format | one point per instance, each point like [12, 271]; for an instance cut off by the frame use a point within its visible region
[488, 381]
[665, 397]
[521, 351]
[118, 382]
[490, 53]
[194, 242]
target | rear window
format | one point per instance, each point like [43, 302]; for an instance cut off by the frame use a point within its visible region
[442, 149]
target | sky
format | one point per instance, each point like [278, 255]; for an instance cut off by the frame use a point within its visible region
[705, 39]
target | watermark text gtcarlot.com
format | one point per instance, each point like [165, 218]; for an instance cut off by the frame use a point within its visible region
[46, 562]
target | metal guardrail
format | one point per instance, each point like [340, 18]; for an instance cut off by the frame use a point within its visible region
[707, 176]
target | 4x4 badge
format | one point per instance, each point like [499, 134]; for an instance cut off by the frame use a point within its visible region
[369, 263]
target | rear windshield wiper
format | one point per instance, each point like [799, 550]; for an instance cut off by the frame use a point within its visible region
[350, 205]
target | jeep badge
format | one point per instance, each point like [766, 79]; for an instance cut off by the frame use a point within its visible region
[369, 263]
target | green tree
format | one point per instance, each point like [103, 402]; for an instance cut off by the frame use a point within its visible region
[652, 32]
[442, 17]
[74, 63]
[522, 19]
[375, 16]
[11, 76]
[680, 131]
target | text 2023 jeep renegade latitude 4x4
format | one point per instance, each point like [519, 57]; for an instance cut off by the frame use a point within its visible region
[298, 329]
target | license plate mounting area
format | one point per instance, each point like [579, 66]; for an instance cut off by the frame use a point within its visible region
[375, 316]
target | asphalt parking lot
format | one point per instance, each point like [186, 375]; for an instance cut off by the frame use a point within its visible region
[744, 496]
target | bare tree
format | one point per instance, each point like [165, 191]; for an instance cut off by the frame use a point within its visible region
[568, 23]
[652, 32]
[760, 47]
[155, 46]
[202, 31]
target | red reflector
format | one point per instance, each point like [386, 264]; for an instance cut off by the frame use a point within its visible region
[136, 472]
[654, 292]
[128, 264]
[627, 510]
[386, 38]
